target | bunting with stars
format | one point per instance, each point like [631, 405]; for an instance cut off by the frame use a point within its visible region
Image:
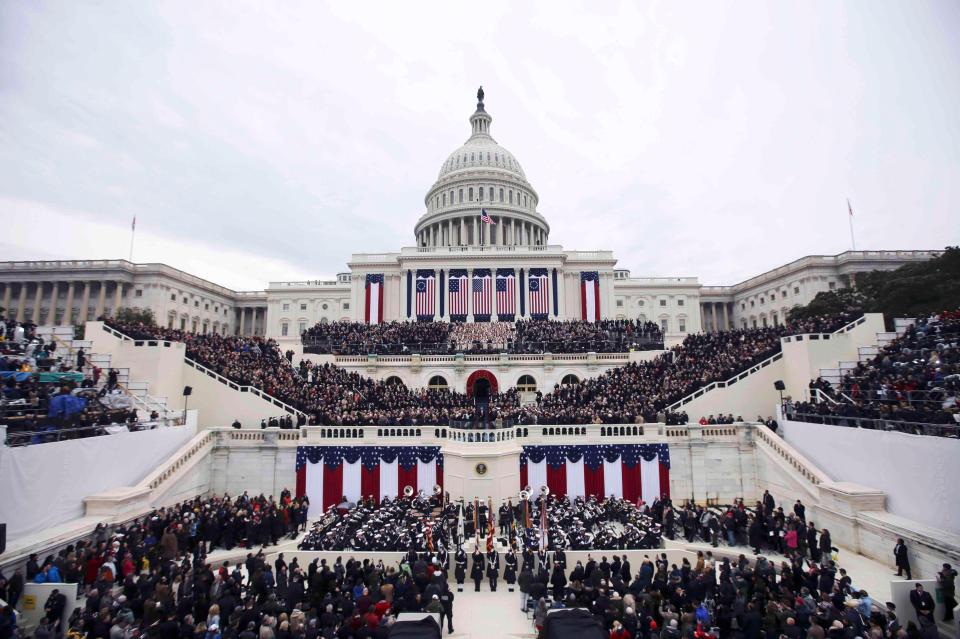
[630, 471]
[330, 474]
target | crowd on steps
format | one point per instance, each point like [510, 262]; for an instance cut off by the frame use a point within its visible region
[522, 336]
[915, 378]
[635, 393]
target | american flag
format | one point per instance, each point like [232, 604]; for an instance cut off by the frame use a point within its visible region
[539, 293]
[459, 293]
[482, 304]
[485, 217]
[426, 294]
[506, 292]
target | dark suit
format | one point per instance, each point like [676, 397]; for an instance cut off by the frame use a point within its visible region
[903, 562]
[923, 603]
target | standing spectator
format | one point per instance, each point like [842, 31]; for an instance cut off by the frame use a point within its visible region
[902, 561]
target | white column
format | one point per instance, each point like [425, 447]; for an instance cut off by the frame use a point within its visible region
[450, 232]
[516, 292]
[474, 238]
[436, 296]
[37, 299]
[22, 301]
[85, 302]
[117, 295]
[243, 314]
[68, 309]
[7, 288]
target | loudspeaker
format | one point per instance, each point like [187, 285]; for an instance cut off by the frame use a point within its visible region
[779, 385]
[187, 391]
[3, 538]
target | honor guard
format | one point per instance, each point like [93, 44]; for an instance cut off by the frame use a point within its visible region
[560, 558]
[493, 568]
[476, 571]
[510, 568]
[460, 572]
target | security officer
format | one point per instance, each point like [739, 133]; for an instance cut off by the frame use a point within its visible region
[460, 572]
[493, 568]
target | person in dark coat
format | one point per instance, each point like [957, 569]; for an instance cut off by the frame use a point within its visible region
[825, 545]
[559, 581]
[901, 559]
[922, 602]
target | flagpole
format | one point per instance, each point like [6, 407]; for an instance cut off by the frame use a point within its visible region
[853, 241]
[133, 231]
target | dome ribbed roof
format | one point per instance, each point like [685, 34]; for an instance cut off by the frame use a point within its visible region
[481, 151]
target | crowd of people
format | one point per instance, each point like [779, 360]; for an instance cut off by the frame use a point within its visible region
[636, 393]
[913, 379]
[576, 336]
[522, 336]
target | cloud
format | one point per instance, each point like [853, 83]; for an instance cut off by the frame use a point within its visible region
[714, 140]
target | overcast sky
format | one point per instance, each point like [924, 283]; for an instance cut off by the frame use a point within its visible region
[269, 141]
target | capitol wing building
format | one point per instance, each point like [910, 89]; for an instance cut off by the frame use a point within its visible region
[482, 253]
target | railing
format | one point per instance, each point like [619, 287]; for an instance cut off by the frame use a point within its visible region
[911, 428]
[253, 390]
[192, 450]
[730, 382]
[799, 463]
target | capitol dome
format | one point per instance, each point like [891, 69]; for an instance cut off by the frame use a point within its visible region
[480, 176]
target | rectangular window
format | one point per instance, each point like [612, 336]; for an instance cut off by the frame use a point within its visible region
[796, 290]
[346, 306]
[196, 303]
[138, 292]
[283, 329]
[286, 307]
[619, 303]
[461, 195]
[664, 325]
[753, 305]
[683, 326]
[833, 285]
[303, 307]
[303, 327]
[783, 294]
[206, 307]
[663, 302]
[184, 299]
[173, 298]
[680, 302]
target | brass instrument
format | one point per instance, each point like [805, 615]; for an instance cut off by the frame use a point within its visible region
[408, 491]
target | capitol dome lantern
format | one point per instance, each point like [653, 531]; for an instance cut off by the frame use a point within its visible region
[481, 176]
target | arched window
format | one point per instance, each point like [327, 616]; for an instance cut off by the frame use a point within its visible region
[480, 194]
[524, 201]
[471, 157]
[470, 194]
[490, 193]
[501, 195]
[393, 380]
[437, 382]
[570, 378]
[526, 383]
[511, 197]
[461, 195]
[444, 199]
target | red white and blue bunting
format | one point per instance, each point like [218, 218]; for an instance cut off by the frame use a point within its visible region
[328, 474]
[590, 296]
[373, 310]
[630, 471]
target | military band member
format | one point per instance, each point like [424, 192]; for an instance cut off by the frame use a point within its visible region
[493, 568]
[460, 573]
[476, 571]
[544, 558]
[510, 568]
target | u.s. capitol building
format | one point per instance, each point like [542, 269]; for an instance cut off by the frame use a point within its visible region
[481, 252]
